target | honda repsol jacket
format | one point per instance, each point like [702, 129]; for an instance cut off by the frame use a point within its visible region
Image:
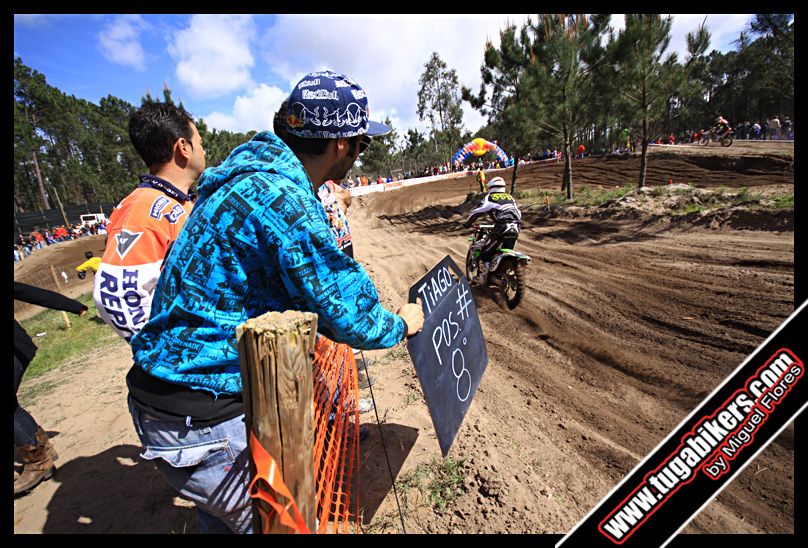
[502, 209]
[139, 234]
[258, 240]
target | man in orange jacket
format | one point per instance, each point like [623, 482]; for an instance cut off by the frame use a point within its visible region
[146, 223]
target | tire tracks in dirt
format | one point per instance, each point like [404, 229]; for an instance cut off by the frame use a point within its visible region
[626, 326]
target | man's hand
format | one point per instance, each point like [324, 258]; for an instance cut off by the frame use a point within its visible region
[413, 315]
[83, 311]
[343, 197]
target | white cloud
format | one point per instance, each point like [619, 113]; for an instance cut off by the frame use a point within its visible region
[385, 54]
[119, 41]
[724, 28]
[213, 54]
[30, 19]
[253, 111]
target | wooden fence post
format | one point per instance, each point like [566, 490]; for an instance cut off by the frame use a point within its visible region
[58, 286]
[275, 356]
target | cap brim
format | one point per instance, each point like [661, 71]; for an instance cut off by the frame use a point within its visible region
[375, 128]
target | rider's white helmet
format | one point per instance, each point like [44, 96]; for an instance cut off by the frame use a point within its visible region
[497, 184]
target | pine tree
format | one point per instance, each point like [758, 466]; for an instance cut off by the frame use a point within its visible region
[643, 78]
[439, 102]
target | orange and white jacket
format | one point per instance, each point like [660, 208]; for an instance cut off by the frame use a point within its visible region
[140, 232]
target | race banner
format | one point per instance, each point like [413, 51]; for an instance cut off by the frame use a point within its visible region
[707, 450]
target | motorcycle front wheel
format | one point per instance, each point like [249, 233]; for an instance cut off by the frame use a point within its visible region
[726, 140]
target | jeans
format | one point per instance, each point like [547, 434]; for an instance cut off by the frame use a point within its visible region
[25, 427]
[206, 464]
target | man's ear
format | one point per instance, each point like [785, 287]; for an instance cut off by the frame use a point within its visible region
[184, 148]
[343, 146]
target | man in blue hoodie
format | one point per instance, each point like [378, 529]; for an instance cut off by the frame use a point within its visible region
[257, 240]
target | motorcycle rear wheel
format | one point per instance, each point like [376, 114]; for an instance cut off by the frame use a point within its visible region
[472, 266]
[513, 286]
[704, 141]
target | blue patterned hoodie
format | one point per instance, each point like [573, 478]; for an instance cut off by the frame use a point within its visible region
[257, 240]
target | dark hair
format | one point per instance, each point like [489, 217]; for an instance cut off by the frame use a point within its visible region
[299, 145]
[88, 255]
[155, 127]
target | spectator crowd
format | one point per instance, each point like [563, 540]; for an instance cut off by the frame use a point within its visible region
[26, 244]
[776, 128]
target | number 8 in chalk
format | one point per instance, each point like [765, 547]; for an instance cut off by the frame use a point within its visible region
[460, 375]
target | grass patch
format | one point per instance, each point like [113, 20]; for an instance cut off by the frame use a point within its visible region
[781, 201]
[727, 198]
[524, 194]
[412, 397]
[595, 197]
[440, 480]
[742, 197]
[582, 196]
[686, 209]
[29, 392]
[59, 344]
[396, 353]
[688, 192]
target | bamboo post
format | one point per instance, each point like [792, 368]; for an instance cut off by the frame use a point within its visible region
[275, 356]
[58, 286]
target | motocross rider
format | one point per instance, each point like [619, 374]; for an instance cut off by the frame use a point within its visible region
[721, 125]
[507, 218]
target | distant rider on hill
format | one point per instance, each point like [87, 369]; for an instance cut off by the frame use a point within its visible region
[92, 264]
[721, 125]
[507, 218]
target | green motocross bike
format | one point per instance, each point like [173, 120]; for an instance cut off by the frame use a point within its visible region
[507, 272]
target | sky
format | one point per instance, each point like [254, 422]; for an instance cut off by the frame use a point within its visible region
[233, 71]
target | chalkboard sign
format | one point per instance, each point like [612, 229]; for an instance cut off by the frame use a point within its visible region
[449, 354]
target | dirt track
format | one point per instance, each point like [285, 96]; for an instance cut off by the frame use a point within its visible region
[626, 326]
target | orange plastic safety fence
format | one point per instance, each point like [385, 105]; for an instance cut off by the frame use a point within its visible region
[267, 472]
[336, 448]
[336, 435]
